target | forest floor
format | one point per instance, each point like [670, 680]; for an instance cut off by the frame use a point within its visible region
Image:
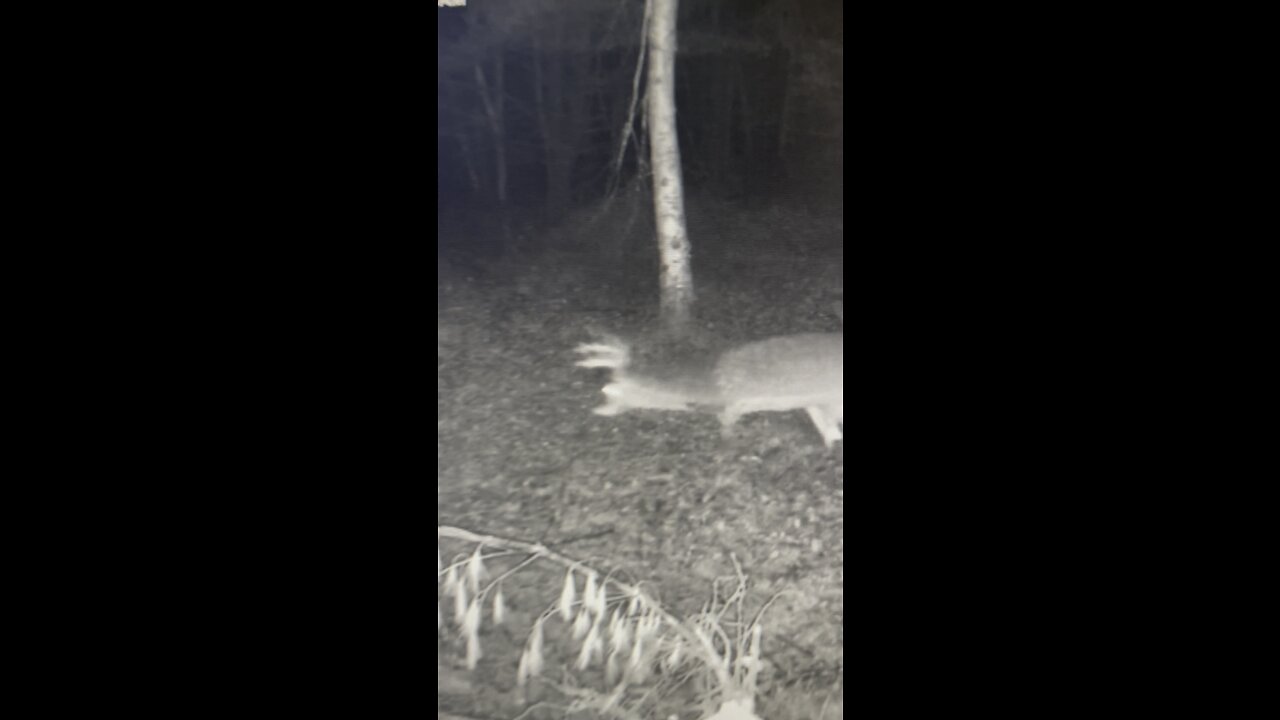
[656, 498]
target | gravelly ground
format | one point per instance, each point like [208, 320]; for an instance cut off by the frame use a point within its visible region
[659, 497]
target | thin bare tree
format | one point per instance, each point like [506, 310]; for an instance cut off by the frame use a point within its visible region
[675, 273]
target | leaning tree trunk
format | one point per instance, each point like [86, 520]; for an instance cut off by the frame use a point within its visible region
[494, 100]
[676, 276]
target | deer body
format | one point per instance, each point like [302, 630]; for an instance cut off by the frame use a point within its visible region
[779, 374]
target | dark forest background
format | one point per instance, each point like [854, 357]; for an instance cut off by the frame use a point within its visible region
[544, 89]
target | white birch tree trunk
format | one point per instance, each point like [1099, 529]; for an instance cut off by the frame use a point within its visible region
[675, 274]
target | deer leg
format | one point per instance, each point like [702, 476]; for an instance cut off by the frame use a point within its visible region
[828, 423]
